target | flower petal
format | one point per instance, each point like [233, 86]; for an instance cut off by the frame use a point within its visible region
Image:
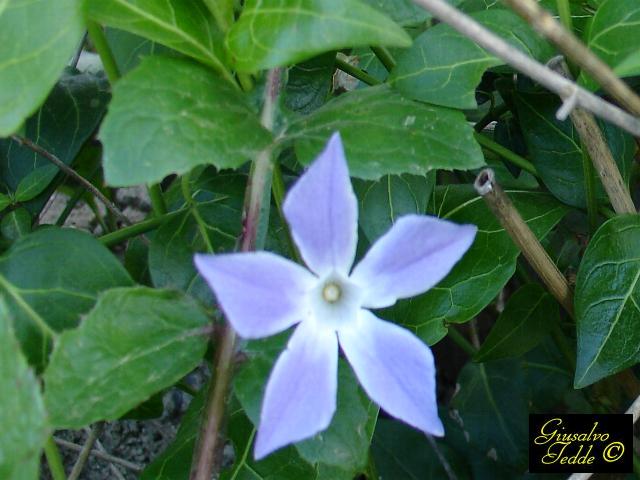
[413, 256]
[322, 212]
[300, 397]
[260, 293]
[396, 370]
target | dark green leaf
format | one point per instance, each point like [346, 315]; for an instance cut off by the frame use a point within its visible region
[51, 277]
[444, 67]
[555, 149]
[135, 342]
[37, 39]
[169, 115]
[383, 201]
[129, 49]
[491, 408]
[22, 415]
[528, 317]
[607, 301]
[306, 28]
[548, 378]
[384, 133]
[5, 201]
[61, 126]
[403, 453]
[613, 25]
[183, 25]
[346, 442]
[486, 267]
[15, 224]
[175, 462]
[309, 83]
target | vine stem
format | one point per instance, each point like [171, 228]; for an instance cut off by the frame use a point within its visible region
[54, 460]
[566, 89]
[210, 441]
[73, 174]
[99, 40]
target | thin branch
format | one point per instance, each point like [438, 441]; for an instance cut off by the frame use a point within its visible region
[92, 436]
[451, 475]
[101, 455]
[509, 217]
[112, 467]
[577, 52]
[385, 57]
[356, 72]
[522, 62]
[207, 452]
[73, 174]
[593, 140]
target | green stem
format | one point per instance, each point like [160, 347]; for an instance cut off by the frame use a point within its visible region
[193, 206]
[54, 460]
[99, 40]
[590, 191]
[606, 212]
[139, 228]
[564, 10]
[157, 199]
[385, 57]
[246, 82]
[461, 341]
[356, 72]
[507, 154]
[277, 189]
[74, 199]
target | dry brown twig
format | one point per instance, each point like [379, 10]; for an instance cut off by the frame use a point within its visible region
[566, 89]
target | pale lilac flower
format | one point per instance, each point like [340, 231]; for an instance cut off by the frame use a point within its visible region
[263, 294]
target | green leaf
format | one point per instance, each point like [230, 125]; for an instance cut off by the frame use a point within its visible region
[135, 342]
[183, 25]
[5, 201]
[309, 83]
[613, 25]
[37, 39]
[384, 133]
[61, 126]
[490, 406]
[50, 278]
[607, 301]
[129, 49]
[527, 318]
[346, 442]
[306, 28]
[22, 414]
[555, 148]
[403, 453]
[444, 67]
[169, 115]
[403, 12]
[486, 267]
[383, 201]
[629, 66]
[15, 224]
[35, 182]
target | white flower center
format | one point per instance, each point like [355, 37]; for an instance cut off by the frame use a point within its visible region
[335, 301]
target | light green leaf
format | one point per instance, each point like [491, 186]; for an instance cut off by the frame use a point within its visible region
[555, 148]
[614, 25]
[169, 115]
[135, 342]
[272, 33]
[486, 267]
[61, 126]
[403, 12]
[50, 278]
[22, 415]
[37, 39]
[607, 301]
[35, 182]
[629, 66]
[384, 133]
[444, 67]
[528, 317]
[383, 201]
[183, 25]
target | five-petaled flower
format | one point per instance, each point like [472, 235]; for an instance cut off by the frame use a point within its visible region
[263, 294]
